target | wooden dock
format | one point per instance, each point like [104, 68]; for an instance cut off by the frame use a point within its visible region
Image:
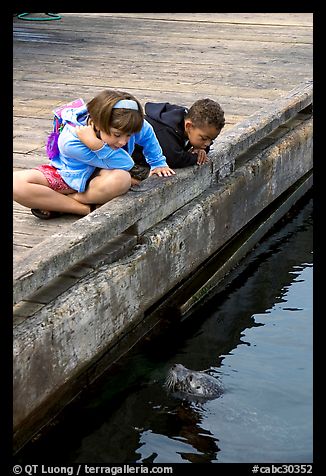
[242, 60]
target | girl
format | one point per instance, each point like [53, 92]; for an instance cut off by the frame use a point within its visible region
[95, 148]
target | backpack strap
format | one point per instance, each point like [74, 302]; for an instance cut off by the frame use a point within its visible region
[52, 149]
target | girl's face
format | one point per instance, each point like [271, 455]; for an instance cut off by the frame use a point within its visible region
[200, 137]
[116, 139]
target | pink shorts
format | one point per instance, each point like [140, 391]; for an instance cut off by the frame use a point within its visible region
[55, 180]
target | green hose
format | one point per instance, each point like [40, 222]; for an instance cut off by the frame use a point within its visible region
[51, 16]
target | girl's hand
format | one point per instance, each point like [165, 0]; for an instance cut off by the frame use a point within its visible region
[88, 137]
[162, 171]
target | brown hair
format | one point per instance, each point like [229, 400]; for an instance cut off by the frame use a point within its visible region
[206, 112]
[104, 117]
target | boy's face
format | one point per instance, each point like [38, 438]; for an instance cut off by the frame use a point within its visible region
[200, 137]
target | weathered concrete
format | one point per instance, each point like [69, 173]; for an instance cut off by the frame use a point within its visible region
[189, 217]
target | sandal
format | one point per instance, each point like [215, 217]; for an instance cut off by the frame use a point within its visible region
[45, 214]
[139, 172]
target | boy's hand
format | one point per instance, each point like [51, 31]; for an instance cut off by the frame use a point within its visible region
[202, 156]
[162, 171]
[88, 137]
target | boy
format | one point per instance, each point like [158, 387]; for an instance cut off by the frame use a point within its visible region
[185, 136]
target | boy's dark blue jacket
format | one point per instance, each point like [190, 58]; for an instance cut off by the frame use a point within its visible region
[168, 123]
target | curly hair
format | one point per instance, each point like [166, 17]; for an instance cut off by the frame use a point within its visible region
[206, 112]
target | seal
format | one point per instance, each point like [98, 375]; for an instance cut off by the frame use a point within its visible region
[191, 384]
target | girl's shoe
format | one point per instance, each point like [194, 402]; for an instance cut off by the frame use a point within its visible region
[45, 214]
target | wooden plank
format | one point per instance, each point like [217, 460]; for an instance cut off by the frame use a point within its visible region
[189, 51]
[29, 161]
[113, 31]
[235, 106]
[295, 19]
[170, 80]
[230, 96]
[203, 87]
[18, 252]
[166, 73]
[25, 225]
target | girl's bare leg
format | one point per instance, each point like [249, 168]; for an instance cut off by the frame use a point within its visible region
[31, 189]
[107, 184]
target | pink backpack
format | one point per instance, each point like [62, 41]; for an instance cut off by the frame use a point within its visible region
[52, 149]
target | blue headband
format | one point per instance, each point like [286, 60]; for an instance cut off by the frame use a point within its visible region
[126, 104]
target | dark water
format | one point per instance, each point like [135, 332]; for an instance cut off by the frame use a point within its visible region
[257, 340]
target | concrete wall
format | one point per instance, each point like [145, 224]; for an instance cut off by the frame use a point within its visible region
[186, 220]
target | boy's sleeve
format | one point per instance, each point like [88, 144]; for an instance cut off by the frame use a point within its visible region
[175, 154]
[151, 147]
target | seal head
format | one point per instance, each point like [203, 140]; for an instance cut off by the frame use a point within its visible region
[191, 384]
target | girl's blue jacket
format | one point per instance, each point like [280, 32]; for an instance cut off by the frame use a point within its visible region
[76, 162]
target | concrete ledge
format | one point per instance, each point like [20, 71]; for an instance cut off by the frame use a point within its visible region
[53, 256]
[258, 126]
[63, 338]
[112, 251]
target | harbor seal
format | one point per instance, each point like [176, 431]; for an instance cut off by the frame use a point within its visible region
[191, 384]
